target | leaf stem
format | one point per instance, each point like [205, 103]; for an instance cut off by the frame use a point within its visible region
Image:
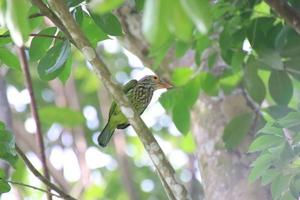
[30, 186]
[38, 35]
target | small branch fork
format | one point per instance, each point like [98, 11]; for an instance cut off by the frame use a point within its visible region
[39, 137]
[73, 32]
[42, 178]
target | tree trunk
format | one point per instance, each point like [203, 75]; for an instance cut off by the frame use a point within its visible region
[224, 173]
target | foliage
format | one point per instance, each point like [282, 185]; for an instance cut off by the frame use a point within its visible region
[236, 46]
[278, 162]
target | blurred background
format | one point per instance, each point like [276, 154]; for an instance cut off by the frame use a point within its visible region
[122, 170]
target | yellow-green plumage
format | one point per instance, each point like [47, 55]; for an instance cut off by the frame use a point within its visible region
[139, 94]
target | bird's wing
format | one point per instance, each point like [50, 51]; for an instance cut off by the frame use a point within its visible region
[131, 84]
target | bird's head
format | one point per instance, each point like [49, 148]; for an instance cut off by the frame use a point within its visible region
[155, 82]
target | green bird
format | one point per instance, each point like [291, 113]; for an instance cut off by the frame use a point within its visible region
[139, 94]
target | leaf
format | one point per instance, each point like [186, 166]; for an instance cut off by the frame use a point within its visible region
[67, 68]
[263, 142]
[279, 186]
[39, 45]
[168, 99]
[292, 119]
[105, 6]
[72, 3]
[270, 129]
[51, 65]
[139, 4]
[7, 147]
[269, 176]
[181, 75]
[187, 143]
[199, 12]
[271, 58]
[255, 87]
[259, 166]
[278, 111]
[181, 118]
[236, 130]
[154, 24]
[64, 116]
[108, 23]
[280, 87]
[91, 30]
[17, 20]
[9, 59]
[4, 186]
[178, 21]
[208, 83]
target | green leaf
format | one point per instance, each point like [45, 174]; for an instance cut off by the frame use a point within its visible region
[278, 111]
[67, 68]
[279, 186]
[271, 58]
[270, 129]
[269, 175]
[91, 30]
[181, 118]
[105, 6]
[295, 185]
[237, 129]
[51, 65]
[155, 27]
[255, 87]
[17, 20]
[199, 12]
[108, 23]
[4, 186]
[263, 142]
[181, 75]
[5, 40]
[178, 21]
[187, 143]
[72, 3]
[9, 59]
[64, 116]
[292, 119]
[259, 166]
[208, 83]
[169, 98]
[39, 45]
[7, 147]
[280, 87]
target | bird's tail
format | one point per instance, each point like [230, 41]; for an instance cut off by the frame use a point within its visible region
[105, 135]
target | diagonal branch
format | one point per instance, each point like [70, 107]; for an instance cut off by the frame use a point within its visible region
[39, 137]
[156, 154]
[287, 12]
[29, 186]
[41, 177]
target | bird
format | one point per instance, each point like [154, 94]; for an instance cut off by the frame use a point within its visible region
[139, 94]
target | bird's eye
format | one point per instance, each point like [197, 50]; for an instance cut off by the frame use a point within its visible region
[155, 77]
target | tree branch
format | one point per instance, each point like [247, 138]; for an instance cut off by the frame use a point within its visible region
[39, 137]
[30, 186]
[155, 152]
[52, 16]
[38, 35]
[287, 12]
[41, 177]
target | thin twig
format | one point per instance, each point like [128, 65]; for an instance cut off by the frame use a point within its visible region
[39, 136]
[52, 16]
[35, 15]
[155, 152]
[30, 186]
[41, 177]
[38, 35]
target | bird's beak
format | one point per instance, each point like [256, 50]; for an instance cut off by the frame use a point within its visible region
[165, 85]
